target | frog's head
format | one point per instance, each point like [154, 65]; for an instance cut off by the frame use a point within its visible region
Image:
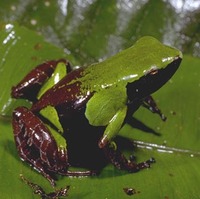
[154, 76]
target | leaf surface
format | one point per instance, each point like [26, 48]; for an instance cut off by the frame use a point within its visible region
[88, 31]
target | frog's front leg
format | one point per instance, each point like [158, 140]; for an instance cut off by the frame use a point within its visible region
[150, 104]
[36, 146]
[30, 85]
[122, 163]
[113, 154]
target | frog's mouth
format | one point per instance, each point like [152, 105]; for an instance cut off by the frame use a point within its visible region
[152, 81]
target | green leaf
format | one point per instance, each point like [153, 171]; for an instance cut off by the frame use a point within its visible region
[146, 14]
[20, 51]
[174, 175]
[92, 30]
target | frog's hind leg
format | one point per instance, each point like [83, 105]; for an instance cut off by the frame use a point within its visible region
[122, 163]
[30, 85]
[36, 146]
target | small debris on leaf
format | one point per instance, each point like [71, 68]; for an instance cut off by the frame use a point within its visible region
[130, 191]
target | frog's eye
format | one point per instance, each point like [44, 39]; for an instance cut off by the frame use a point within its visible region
[153, 72]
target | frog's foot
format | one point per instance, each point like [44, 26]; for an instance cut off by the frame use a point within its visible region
[122, 163]
[36, 146]
[150, 104]
[39, 190]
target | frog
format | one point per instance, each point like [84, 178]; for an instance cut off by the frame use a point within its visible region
[77, 114]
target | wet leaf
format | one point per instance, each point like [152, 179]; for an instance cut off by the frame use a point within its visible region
[20, 51]
[92, 30]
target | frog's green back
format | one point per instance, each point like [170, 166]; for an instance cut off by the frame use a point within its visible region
[129, 65]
